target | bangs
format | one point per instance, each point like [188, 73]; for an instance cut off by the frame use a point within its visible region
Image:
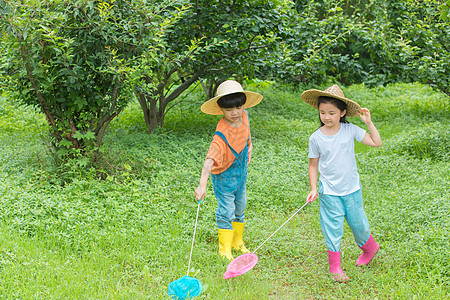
[232, 100]
[341, 105]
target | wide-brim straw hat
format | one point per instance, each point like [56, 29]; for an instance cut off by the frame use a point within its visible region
[312, 97]
[226, 88]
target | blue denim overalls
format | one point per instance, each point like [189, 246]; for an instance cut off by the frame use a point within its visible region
[229, 188]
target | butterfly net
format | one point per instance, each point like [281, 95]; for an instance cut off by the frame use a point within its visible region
[184, 288]
[240, 265]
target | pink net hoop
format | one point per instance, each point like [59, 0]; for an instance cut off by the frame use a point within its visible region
[240, 265]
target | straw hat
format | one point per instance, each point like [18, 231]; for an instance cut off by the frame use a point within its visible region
[312, 96]
[226, 88]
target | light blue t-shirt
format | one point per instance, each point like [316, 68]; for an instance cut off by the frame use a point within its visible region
[337, 163]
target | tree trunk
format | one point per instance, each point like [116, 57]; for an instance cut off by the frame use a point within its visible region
[150, 113]
[205, 89]
[154, 104]
[104, 125]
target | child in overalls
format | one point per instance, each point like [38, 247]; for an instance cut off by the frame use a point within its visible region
[332, 154]
[227, 159]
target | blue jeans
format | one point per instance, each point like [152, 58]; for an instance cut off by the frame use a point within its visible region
[230, 189]
[333, 211]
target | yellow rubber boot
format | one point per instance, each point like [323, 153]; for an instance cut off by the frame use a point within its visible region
[238, 243]
[225, 240]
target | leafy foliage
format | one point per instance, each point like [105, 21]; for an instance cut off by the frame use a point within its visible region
[74, 60]
[372, 42]
[213, 40]
[445, 7]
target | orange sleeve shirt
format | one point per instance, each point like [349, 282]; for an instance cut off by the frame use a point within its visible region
[236, 137]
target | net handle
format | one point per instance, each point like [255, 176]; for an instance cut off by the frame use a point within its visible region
[193, 237]
[281, 226]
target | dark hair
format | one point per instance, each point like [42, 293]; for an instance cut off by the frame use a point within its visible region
[341, 105]
[232, 100]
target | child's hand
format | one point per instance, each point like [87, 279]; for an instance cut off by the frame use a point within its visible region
[311, 196]
[200, 192]
[365, 116]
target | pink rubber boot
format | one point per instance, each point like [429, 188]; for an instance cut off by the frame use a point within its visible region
[370, 248]
[334, 259]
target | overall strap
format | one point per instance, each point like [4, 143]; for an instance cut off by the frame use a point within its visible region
[222, 136]
[248, 122]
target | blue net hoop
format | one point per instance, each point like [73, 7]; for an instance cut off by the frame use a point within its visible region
[184, 288]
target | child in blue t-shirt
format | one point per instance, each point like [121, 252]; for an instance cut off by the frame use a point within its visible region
[332, 154]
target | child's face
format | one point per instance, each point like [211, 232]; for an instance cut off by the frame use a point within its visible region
[233, 116]
[330, 115]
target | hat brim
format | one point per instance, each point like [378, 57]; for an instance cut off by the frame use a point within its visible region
[212, 108]
[311, 97]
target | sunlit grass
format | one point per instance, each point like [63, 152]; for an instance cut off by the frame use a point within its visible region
[129, 237]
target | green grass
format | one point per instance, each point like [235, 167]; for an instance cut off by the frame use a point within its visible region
[128, 237]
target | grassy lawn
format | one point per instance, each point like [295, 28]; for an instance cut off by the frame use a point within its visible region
[70, 236]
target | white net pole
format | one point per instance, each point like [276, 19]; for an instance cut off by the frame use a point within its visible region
[281, 226]
[193, 238]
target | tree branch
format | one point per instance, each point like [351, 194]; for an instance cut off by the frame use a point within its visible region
[34, 84]
[181, 88]
[167, 110]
